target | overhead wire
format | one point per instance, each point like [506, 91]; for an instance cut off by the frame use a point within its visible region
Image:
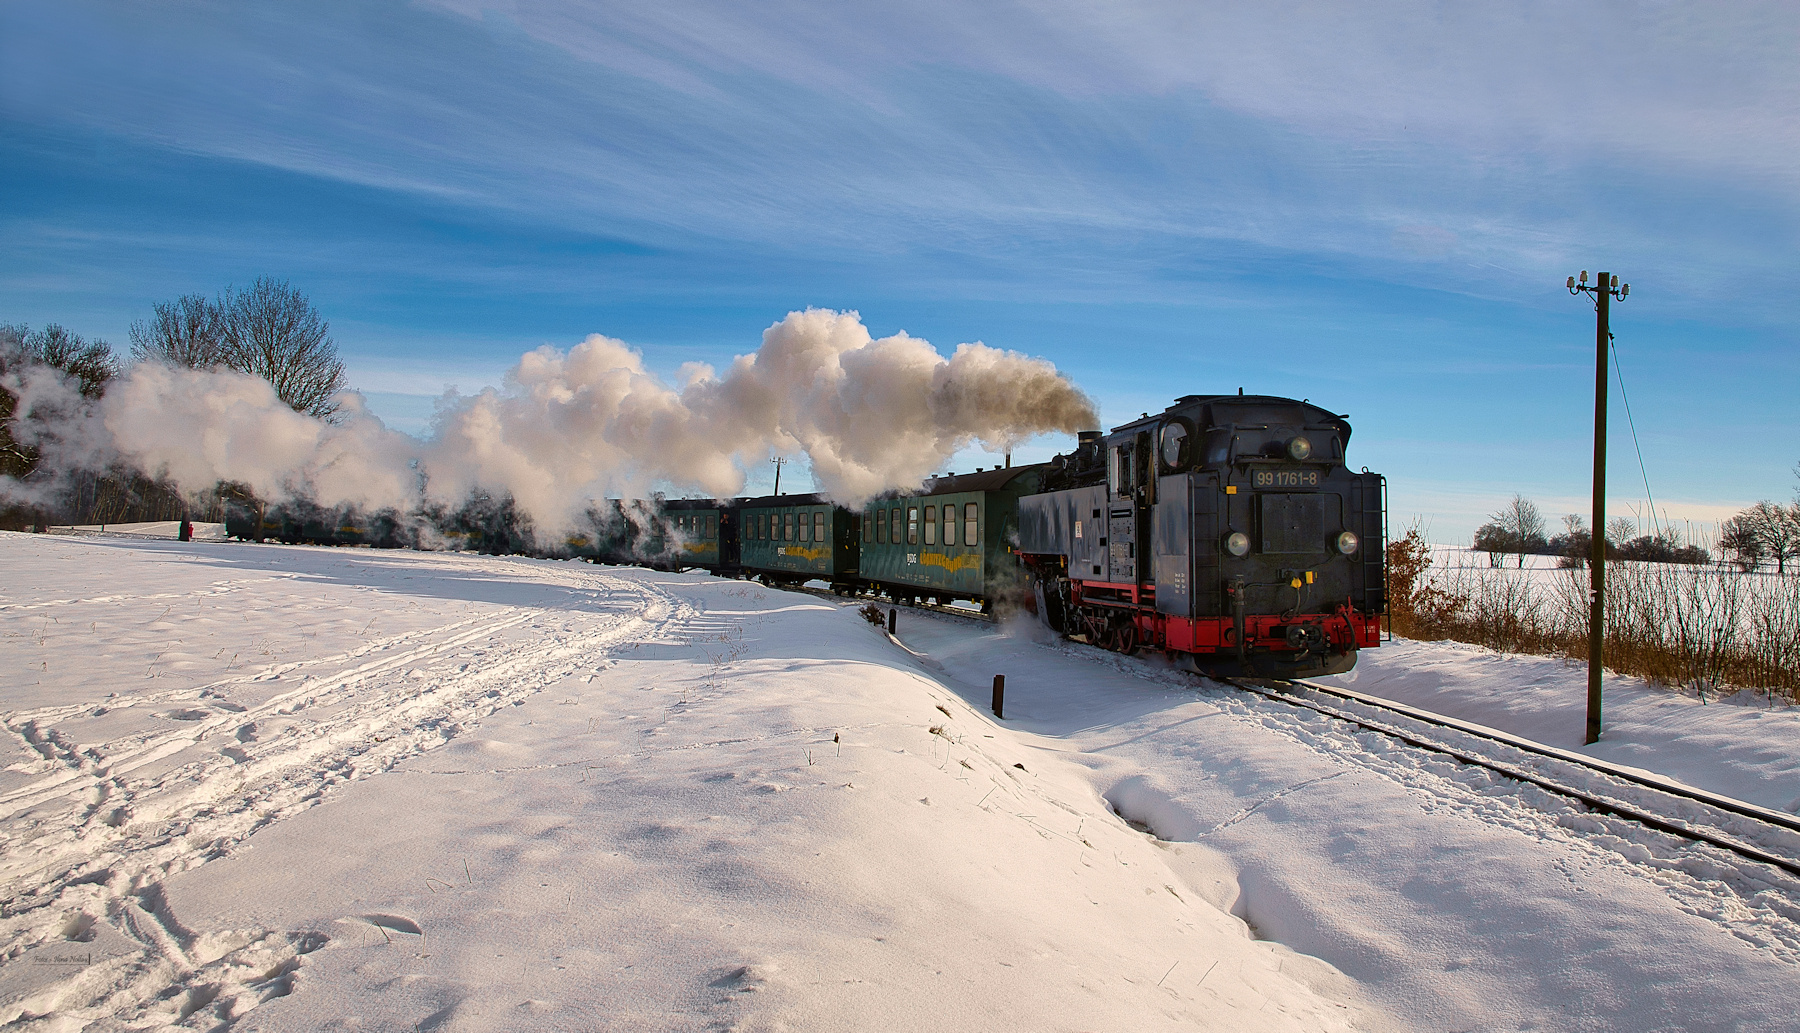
[1629, 422]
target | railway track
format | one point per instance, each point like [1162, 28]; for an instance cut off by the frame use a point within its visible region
[1745, 816]
[1592, 797]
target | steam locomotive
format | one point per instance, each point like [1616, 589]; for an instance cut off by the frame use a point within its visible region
[1226, 531]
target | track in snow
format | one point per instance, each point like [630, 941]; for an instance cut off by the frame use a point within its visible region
[86, 845]
[1753, 833]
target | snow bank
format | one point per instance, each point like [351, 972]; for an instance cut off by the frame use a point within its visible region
[284, 788]
[457, 792]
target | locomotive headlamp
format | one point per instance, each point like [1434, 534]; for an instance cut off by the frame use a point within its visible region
[1347, 542]
[1237, 543]
[1299, 447]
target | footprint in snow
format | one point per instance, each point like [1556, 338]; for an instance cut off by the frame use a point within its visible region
[387, 924]
[744, 979]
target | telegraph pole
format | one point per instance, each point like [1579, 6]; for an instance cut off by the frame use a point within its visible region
[779, 462]
[1606, 288]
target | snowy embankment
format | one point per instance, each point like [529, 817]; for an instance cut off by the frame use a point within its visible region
[286, 788]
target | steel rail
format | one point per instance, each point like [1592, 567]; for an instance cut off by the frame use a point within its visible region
[1646, 779]
[1595, 803]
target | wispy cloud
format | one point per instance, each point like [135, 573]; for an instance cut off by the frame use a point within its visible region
[976, 129]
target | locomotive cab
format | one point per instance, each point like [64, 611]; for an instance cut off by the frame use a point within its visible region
[1227, 529]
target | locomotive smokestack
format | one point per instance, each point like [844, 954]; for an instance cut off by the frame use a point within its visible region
[1009, 460]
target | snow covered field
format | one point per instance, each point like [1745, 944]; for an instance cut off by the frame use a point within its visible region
[287, 788]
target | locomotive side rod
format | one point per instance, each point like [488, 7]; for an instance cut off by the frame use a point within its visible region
[1594, 803]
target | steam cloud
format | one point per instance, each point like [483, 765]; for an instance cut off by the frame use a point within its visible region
[569, 427]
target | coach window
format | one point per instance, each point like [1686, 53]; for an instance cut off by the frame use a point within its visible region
[894, 531]
[804, 524]
[912, 525]
[931, 519]
[971, 530]
[819, 526]
[868, 530]
[879, 519]
[950, 525]
[787, 526]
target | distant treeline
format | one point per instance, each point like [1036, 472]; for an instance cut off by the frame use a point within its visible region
[1767, 530]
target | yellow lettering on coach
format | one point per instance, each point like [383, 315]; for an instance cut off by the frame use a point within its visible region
[950, 565]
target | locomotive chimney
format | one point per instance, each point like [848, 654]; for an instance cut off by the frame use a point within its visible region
[1009, 460]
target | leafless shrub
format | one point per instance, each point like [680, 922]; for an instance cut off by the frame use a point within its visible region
[1700, 627]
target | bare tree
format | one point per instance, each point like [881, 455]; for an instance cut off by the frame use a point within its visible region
[189, 331]
[1738, 537]
[272, 331]
[1777, 530]
[1620, 530]
[1574, 545]
[1518, 528]
[87, 364]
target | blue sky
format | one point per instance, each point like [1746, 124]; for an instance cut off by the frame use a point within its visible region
[1372, 206]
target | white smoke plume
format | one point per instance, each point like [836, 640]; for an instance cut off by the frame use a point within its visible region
[592, 422]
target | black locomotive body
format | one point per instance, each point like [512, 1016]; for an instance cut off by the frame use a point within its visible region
[1227, 529]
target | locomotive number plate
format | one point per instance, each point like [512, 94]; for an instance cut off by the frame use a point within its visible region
[1284, 478]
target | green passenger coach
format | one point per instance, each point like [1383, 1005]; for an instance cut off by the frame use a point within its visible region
[789, 539]
[957, 540]
[695, 535]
